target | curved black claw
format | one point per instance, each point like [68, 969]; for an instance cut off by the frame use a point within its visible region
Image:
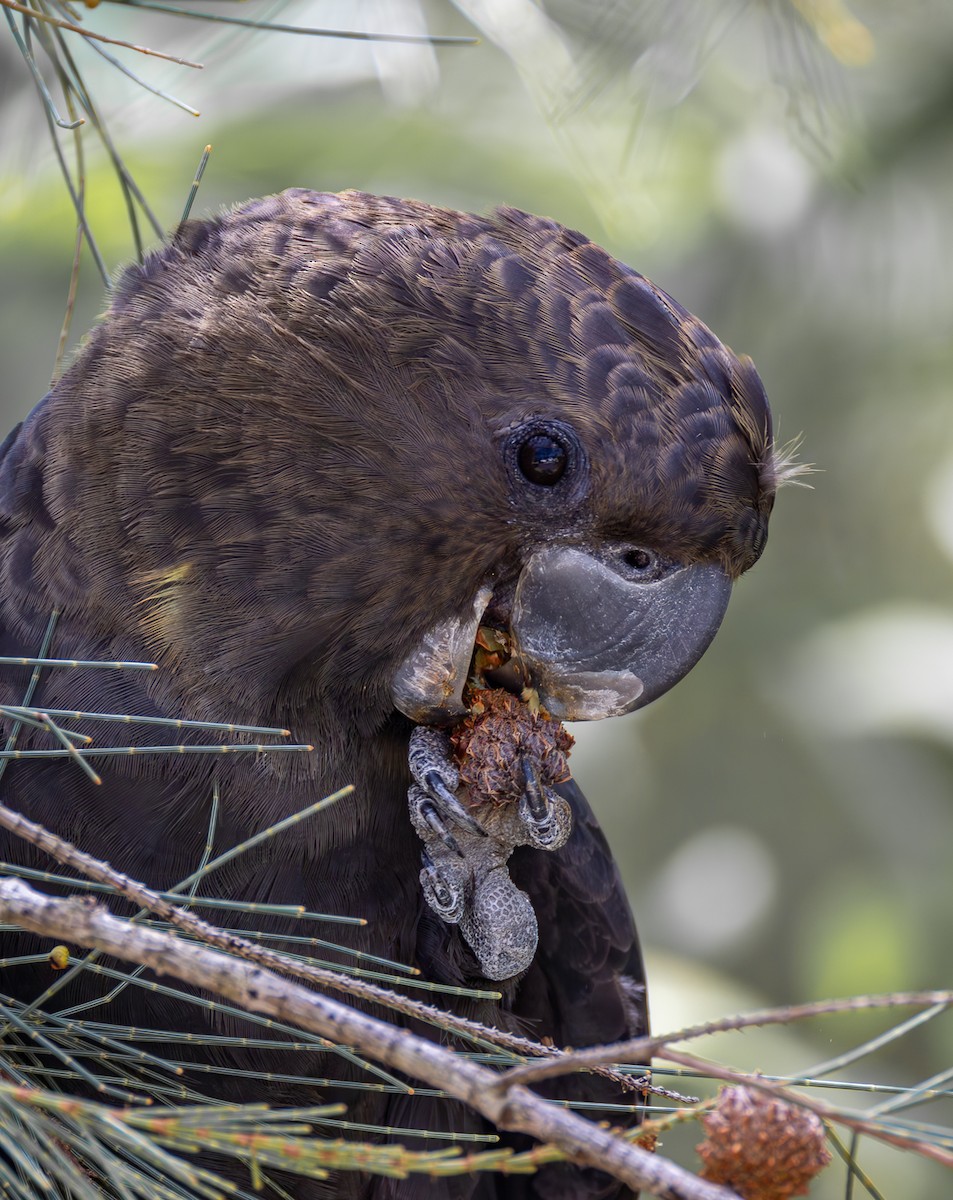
[434, 821]
[432, 767]
[545, 815]
[441, 891]
[533, 790]
[455, 810]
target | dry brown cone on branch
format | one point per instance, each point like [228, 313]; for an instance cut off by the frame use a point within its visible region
[761, 1147]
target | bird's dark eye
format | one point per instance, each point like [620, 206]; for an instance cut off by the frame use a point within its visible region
[542, 459]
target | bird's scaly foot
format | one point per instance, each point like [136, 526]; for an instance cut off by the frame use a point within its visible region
[464, 876]
[436, 779]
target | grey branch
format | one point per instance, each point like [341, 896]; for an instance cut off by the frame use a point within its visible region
[86, 922]
[137, 893]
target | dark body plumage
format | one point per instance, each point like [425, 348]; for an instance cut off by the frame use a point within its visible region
[274, 464]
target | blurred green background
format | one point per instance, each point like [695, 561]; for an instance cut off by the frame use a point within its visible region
[783, 819]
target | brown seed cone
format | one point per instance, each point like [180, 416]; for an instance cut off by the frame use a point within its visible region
[489, 741]
[762, 1148]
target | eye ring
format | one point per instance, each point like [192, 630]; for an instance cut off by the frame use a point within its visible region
[546, 461]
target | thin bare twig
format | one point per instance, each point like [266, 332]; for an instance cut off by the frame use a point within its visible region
[37, 15]
[643, 1048]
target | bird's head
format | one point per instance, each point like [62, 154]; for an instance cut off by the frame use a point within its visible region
[611, 465]
[334, 434]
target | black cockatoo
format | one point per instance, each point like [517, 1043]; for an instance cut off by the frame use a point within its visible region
[313, 444]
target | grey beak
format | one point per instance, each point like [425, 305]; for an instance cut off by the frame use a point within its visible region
[598, 643]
